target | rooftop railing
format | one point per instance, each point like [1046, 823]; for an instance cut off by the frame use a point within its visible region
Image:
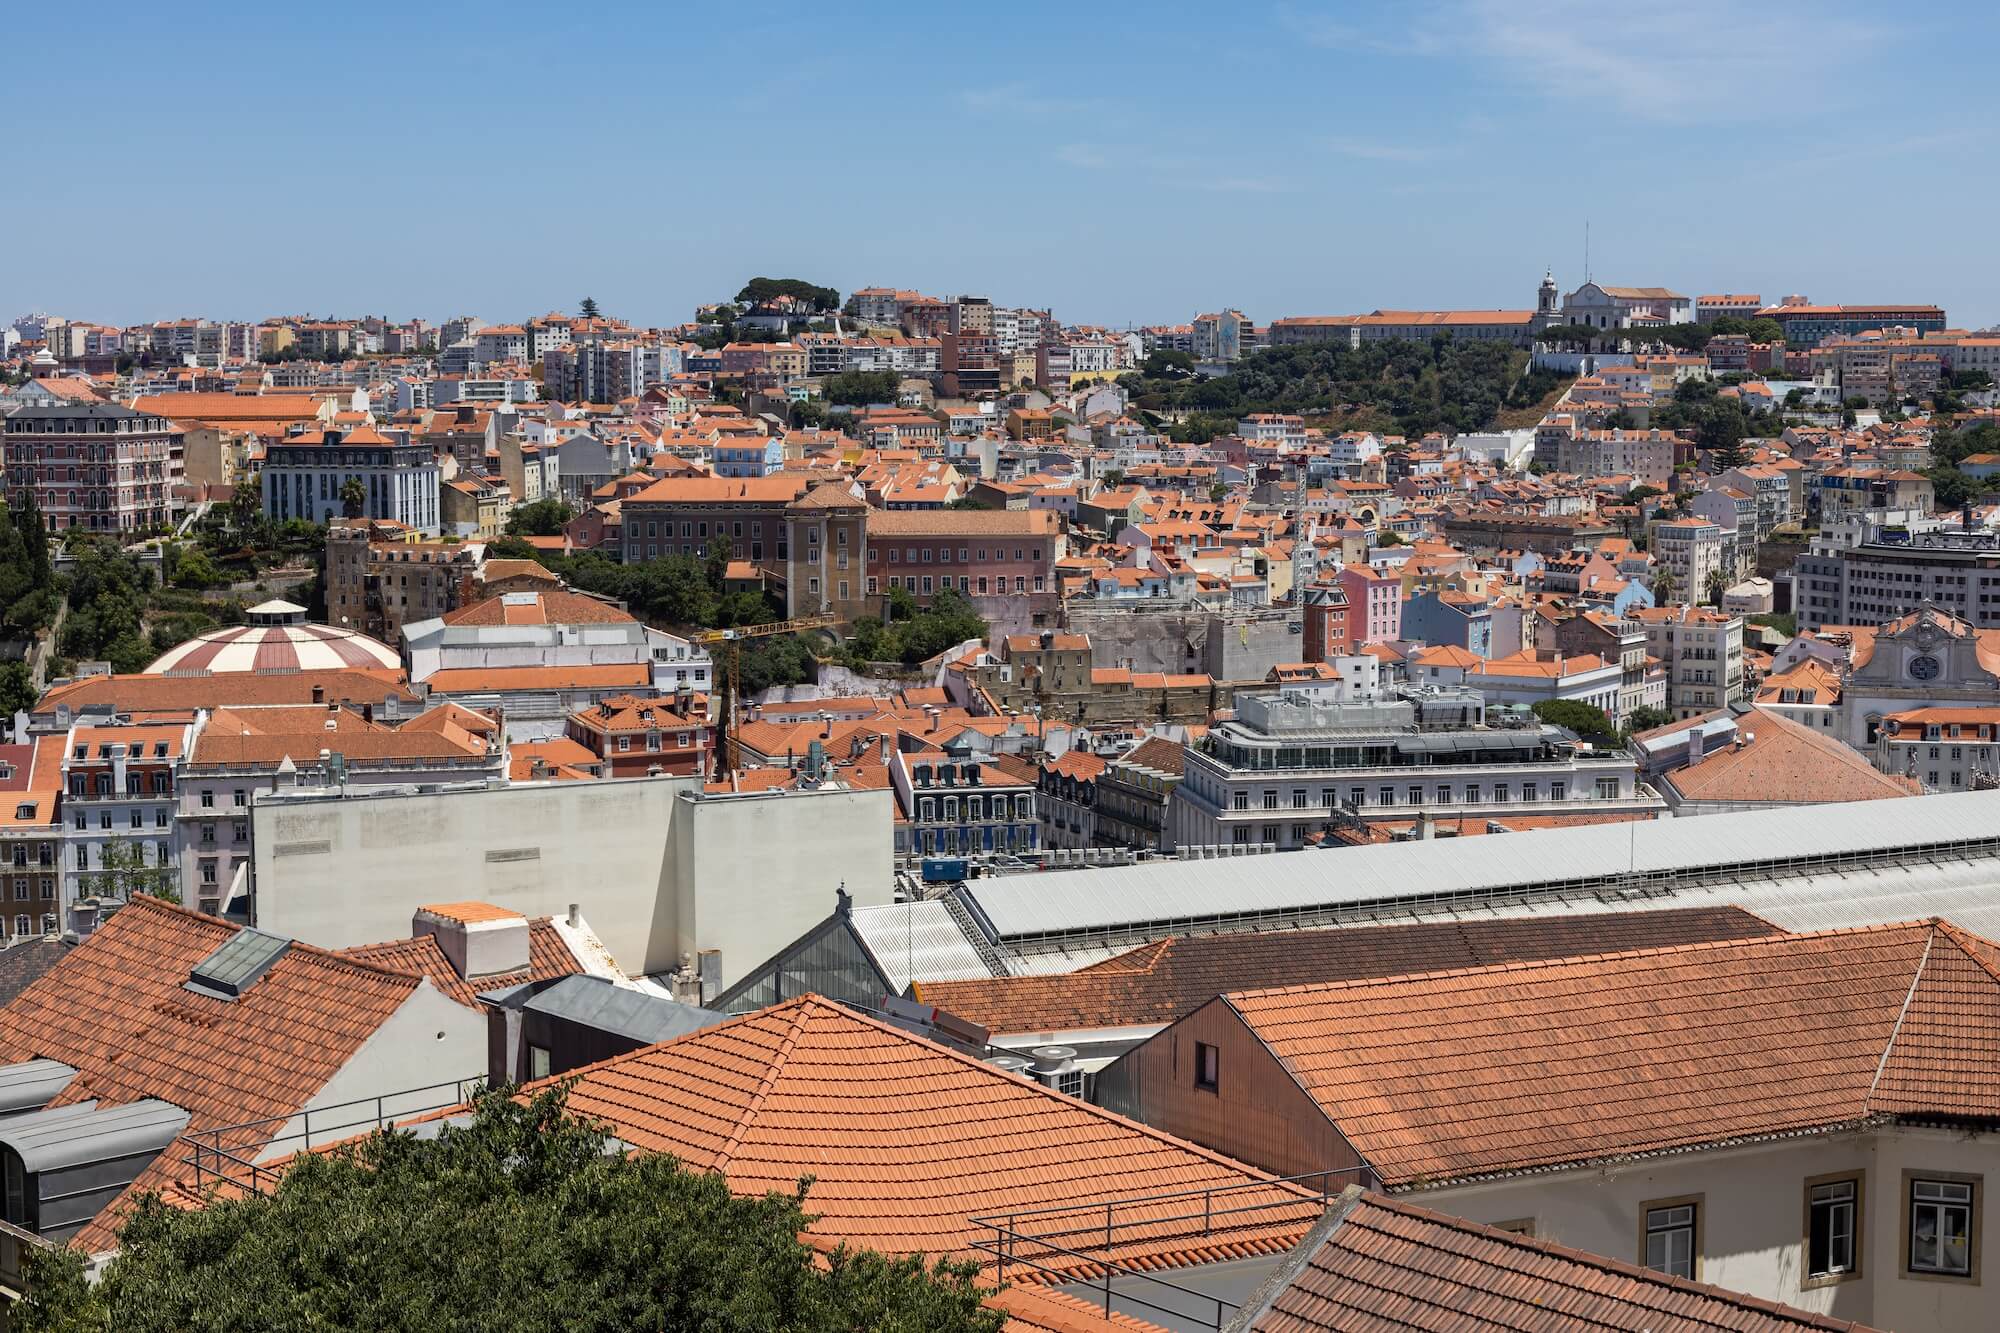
[1078, 1245]
[242, 1155]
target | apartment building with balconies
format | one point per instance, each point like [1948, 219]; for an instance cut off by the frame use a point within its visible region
[95, 466]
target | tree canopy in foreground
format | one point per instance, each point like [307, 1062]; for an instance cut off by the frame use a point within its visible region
[521, 1220]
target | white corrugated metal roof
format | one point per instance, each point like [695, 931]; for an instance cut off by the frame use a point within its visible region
[1412, 873]
[919, 941]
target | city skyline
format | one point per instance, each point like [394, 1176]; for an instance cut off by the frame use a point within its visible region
[1283, 160]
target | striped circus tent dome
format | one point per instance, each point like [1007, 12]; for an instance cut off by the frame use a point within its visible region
[277, 638]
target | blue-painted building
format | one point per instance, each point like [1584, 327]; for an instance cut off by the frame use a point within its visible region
[1442, 617]
[758, 457]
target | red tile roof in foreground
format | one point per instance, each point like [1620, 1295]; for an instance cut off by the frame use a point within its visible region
[1450, 1075]
[116, 1010]
[1384, 1266]
[907, 1141]
[1158, 982]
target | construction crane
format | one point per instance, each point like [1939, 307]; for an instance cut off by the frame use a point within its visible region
[725, 728]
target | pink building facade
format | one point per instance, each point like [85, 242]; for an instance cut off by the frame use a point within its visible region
[1374, 604]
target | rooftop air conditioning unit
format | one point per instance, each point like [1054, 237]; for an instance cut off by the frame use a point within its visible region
[1052, 1064]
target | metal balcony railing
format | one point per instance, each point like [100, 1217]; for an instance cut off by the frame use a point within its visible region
[1074, 1245]
[213, 1162]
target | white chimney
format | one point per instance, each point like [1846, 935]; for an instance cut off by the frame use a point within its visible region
[478, 939]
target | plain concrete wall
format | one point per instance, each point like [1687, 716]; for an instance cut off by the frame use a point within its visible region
[754, 872]
[660, 873]
[431, 1039]
[338, 872]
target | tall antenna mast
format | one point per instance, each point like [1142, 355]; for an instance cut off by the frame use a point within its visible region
[1586, 250]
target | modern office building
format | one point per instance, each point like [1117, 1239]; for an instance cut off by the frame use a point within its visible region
[1876, 567]
[1295, 765]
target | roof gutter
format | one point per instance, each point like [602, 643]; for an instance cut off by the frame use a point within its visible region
[1611, 1161]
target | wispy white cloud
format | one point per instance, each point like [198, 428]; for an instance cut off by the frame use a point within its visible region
[1244, 185]
[1025, 101]
[1089, 157]
[1688, 62]
[1369, 150]
[1415, 29]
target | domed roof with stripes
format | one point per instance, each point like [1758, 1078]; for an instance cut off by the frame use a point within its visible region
[276, 638]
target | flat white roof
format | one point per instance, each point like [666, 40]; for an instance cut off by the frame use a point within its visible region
[1449, 873]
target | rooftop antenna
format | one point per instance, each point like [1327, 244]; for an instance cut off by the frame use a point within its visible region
[1586, 250]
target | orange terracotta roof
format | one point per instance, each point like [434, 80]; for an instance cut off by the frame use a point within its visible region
[906, 1140]
[1385, 1266]
[548, 957]
[1158, 753]
[1784, 762]
[481, 680]
[1453, 1075]
[539, 608]
[116, 1011]
[1159, 982]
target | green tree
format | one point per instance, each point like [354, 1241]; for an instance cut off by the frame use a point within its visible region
[1953, 488]
[244, 510]
[17, 690]
[517, 1221]
[858, 388]
[1714, 586]
[124, 872]
[193, 570]
[353, 498]
[1785, 622]
[588, 308]
[35, 538]
[540, 518]
[1645, 719]
[108, 589]
[759, 290]
[1587, 720]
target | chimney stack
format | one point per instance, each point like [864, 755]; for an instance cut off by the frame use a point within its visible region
[478, 939]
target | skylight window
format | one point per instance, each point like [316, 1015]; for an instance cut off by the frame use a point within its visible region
[238, 964]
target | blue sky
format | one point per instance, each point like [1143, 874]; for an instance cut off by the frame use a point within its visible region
[1124, 164]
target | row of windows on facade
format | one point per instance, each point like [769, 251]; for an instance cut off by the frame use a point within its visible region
[100, 476]
[135, 784]
[989, 837]
[682, 740]
[975, 808]
[966, 583]
[1941, 1211]
[1940, 1237]
[136, 819]
[87, 426]
[164, 850]
[1473, 793]
[24, 925]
